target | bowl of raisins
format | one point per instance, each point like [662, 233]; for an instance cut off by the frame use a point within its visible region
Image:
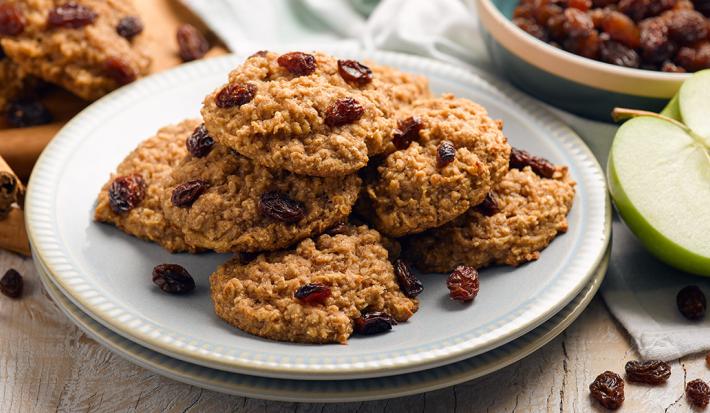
[588, 56]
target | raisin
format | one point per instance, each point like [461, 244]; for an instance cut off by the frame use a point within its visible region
[407, 131]
[649, 372]
[608, 390]
[703, 6]
[686, 26]
[695, 58]
[658, 6]
[531, 27]
[71, 16]
[655, 44]
[463, 283]
[583, 5]
[671, 67]
[488, 207]
[622, 29]
[691, 302]
[374, 323]
[11, 283]
[313, 294]
[519, 159]
[298, 63]
[577, 23]
[118, 70]
[2, 53]
[556, 27]
[408, 283]
[698, 393]
[280, 207]
[618, 54]
[587, 45]
[129, 27]
[343, 111]
[25, 114]
[173, 279]
[636, 9]
[185, 194]
[192, 43]
[235, 95]
[258, 53]
[544, 10]
[524, 11]
[126, 192]
[354, 72]
[445, 154]
[200, 143]
[12, 22]
[337, 229]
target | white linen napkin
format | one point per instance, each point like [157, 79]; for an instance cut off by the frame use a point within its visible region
[639, 290]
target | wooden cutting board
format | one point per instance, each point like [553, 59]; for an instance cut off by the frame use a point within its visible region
[21, 147]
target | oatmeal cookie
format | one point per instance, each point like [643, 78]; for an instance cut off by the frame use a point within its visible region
[76, 44]
[259, 296]
[402, 88]
[153, 160]
[528, 212]
[247, 207]
[307, 119]
[12, 81]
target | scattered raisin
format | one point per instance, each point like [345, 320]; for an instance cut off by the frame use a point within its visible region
[354, 72]
[24, 114]
[280, 207]
[407, 132]
[200, 143]
[691, 302]
[173, 279]
[298, 63]
[622, 29]
[71, 15]
[343, 111]
[126, 192]
[463, 283]
[11, 283]
[337, 229]
[686, 26]
[519, 159]
[313, 293]
[445, 154]
[185, 194]
[618, 54]
[192, 43]
[488, 207]
[608, 390]
[698, 393]
[258, 53]
[374, 323]
[12, 22]
[129, 27]
[235, 95]
[408, 283]
[649, 372]
[118, 70]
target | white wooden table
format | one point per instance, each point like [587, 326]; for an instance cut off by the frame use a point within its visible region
[48, 364]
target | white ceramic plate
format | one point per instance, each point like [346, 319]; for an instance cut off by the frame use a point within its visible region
[331, 390]
[107, 274]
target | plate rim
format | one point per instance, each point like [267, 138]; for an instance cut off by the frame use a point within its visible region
[61, 270]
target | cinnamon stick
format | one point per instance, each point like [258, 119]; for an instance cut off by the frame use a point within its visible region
[13, 234]
[11, 189]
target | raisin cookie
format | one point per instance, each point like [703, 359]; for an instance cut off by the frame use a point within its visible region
[152, 160]
[228, 203]
[259, 297]
[522, 215]
[12, 81]
[76, 44]
[402, 88]
[308, 113]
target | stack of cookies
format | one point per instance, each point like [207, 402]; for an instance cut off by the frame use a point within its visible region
[315, 171]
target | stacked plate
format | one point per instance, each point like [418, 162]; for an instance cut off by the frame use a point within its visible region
[101, 277]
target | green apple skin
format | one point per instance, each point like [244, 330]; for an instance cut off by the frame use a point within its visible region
[672, 110]
[657, 243]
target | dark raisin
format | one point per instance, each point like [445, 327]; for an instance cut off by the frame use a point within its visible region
[686, 26]
[12, 22]
[173, 279]
[655, 44]
[636, 9]
[524, 10]
[185, 194]
[463, 283]
[374, 323]
[698, 393]
[586, 45]
[445, 154]
[129, 27]
[608, 390]
[120, 71]
[546, 10]
[488, 207]
[126, 192]
[337, 229]
[618, 54]
[622, 29]
[313, 293]
[298, 63]
[671, 67]
[408, 283]
[694, 59]
[200, 143]
[583, 5]
[519, 159]
[235, 95]
[407, 132]
[556, 28]
[259, 53]
[71, 15]
[577, 23]
[280, 207]
[192, 43]
[11, 283]
[531, 27]
[343, 111]
[354, 72]
[25, 114]
[691, 302]
[649, 372]
[2, 53]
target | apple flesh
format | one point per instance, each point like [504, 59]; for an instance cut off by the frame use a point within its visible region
[694, 104]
